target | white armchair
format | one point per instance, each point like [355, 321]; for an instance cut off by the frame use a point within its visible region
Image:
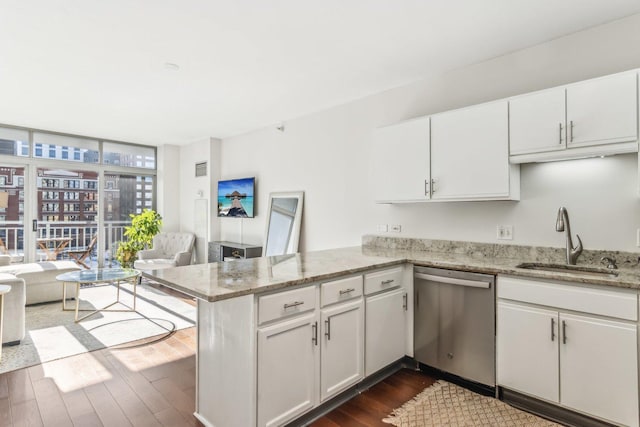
[169, 250]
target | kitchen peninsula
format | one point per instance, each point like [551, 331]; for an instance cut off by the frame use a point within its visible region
[253, 313]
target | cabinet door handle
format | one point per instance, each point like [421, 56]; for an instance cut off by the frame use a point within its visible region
[564, 332]
[293, 304]
[560, 142]
[387, 282]
[571, 131]
[405, 302]
[553, 329]
[426, 187]
[433, 186]
[314, 333]
[327, 332]
[346, 291]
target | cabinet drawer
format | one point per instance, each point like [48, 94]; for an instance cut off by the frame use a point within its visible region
[340, 290]
[618, 303]
[382, 280]
[283, 304]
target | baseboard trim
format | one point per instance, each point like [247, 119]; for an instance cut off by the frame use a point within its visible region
[548, 410]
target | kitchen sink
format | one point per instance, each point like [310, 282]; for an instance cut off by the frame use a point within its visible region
[570, 269]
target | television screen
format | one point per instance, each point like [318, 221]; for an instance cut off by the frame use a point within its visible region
[235, 198]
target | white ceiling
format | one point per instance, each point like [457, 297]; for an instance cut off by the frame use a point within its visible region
[97, 68]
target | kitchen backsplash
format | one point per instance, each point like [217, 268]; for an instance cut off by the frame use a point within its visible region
[496, 250]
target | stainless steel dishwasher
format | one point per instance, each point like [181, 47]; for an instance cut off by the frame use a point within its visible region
[454, 328]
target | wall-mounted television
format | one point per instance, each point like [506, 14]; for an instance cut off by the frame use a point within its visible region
[235, 198]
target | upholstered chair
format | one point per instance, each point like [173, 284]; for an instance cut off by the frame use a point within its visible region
[171, 249]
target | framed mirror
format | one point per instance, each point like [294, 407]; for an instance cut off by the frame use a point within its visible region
[284, 218]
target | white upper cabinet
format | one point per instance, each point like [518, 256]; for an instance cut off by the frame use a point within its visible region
[602, 111]
[591, 118]
[537, 122]
[400, 162]
[470, 154]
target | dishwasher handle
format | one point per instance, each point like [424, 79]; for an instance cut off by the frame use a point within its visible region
[453, 281]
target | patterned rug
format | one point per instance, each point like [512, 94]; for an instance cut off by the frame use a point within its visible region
[446, 404]
[52, 333]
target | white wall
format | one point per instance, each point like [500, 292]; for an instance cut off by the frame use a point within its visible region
[326, 155]
[168, 186]
[196, 194]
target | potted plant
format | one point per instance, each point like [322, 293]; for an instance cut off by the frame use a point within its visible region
[140, 233]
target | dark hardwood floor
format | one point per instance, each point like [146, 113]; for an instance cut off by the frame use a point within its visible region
[144, 385]
[369, 408]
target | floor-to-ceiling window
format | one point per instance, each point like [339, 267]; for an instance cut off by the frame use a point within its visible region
[73, 193]
[14, 144]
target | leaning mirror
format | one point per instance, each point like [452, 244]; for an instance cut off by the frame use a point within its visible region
[283, 223]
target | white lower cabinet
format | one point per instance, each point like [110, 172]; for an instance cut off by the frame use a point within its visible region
[310, 341]
[527, 350]
[342, 350]
[599, 368]
[385, 329]
[579, 361]
[287, 369]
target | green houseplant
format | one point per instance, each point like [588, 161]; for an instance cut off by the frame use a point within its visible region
[140, 233]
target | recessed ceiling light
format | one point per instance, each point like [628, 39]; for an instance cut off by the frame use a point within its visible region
[171, 66]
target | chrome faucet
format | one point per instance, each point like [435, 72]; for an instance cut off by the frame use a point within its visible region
[562, 224]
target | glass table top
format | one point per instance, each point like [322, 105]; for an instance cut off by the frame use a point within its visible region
[98, 275]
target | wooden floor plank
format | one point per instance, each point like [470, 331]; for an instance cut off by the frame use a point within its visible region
[371, 406]
[106, 407]
[20, 388]
[130, 403]
[52, 408]
[153, 399]
[5, 412]
[26, 413]
[79, 407]
[132, 406]
[179, 399]
[88, 420]
[171, 417]
[4, 387]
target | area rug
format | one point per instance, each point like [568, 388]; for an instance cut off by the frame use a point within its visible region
[446, 404]
[53, 334]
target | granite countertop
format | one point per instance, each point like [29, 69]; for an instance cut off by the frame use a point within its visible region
[218, 281]
[222, 280]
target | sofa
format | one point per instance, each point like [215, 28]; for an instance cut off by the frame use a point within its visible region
[171, 249]
[14, 314]
[40, 279]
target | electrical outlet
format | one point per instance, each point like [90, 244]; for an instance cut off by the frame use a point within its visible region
[383, 228]
[504, 232]
[396, 228]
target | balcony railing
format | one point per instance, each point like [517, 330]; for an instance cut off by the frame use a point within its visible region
[80, 234]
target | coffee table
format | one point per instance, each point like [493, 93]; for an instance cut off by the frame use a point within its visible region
[98, 275]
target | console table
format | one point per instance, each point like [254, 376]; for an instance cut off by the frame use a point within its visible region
[225, 251]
